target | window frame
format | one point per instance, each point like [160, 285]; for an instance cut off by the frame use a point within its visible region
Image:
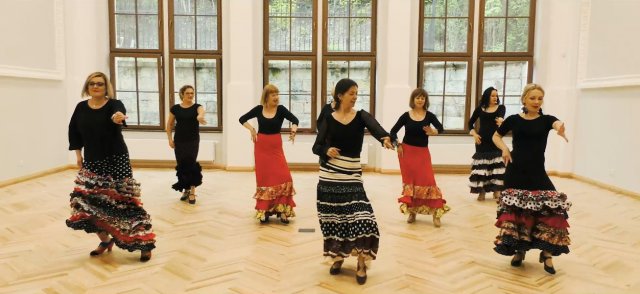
[372, 90]
[172, 88]
[374, 32]
[266, 37]
[471, 23]
[112, 68]
[172, 48]
[531, 33]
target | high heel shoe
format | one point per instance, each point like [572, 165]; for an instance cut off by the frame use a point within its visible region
[361, 279]
[517, 259]
[436, 221]
[284, 219]
[481, 196]
[145, 255]
[336, 267]
[543, 260]
[265, 218]
[102, 247]
[411, 218]
[192, 201]
[185, 195]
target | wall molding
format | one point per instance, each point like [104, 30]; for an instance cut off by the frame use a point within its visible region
[45, 73]
[610, 82]
[36, 175]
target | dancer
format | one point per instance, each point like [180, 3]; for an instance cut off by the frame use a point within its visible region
[420, 194]
[531, 213]
[274, 192]
[186, 142]
[487, 168]
[346, 217]
[106, 199]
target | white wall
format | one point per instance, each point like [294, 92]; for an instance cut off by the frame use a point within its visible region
[564, 50]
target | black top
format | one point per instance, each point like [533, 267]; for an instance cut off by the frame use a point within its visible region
[527, 170]
[414, 135]
[348, 138]
[269, 125]
[187, 126]
[326, 111]
[488, 126]
[93, 130]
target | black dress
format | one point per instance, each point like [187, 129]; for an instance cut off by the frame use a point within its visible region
[187, 142]
[346, 217]
[531, 213]
[106, 198]
[487, 167]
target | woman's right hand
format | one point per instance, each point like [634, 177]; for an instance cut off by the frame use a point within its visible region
[477, 138]
[333, 152]
[172, 144]
[506, 157]
[399, 148]
[254, 135]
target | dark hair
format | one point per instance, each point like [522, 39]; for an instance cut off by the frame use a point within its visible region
[486, 97]
[417, 93]
[342, 86]
[184, 89]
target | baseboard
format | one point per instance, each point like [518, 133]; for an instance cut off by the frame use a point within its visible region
[36, 175]
[437, 169]
[606, 186]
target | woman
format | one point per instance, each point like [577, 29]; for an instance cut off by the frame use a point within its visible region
[487, 168]
[185, 144]
[531, 213]
[420, 194]
[106, 199]
[274, 192]
[346, 217]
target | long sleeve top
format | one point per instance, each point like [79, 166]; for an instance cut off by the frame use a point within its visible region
[326, 111]
[272, 125]
[488, 126]
[93, 130]
[346, 137]
[414, 135]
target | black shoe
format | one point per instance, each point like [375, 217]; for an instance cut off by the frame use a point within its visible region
[145, 255]
[336, 267]
[547, 268]
[102, 247]
[185, 195]
[361, 279]
[517, 259]
[284, 220]
[192, 201]
[265, 218]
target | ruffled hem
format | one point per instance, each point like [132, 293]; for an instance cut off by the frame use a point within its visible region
[424, 209]
[188, 176]
[421, 192]
[486, 188]
[144, 241]
[533, 200]
[522, 236]
[273, 192]
[366, 246]
[508, 246]
[277, 210]
[487, 155]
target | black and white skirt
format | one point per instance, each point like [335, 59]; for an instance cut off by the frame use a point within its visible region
[487, 173]
[347, 221]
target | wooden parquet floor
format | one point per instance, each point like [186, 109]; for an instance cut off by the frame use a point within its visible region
[217, 247]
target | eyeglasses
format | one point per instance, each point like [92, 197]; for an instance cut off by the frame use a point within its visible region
[98, 84]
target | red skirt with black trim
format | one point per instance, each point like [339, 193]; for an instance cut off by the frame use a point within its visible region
[274, 186]
[420, 194]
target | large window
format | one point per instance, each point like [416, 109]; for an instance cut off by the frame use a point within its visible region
[138, 55]
[291, 52]
[446, 61]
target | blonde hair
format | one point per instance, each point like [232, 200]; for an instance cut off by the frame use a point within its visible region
[528, 88]
[107, 84]
[184, 89]
[417, 93]
[266, 91]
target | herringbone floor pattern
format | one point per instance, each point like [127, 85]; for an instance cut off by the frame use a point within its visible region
[217, 247]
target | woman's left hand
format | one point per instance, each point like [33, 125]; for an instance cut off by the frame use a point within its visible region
[561, 132]
[118, 118]
[201, 120]
[429, 131]
[292, 137]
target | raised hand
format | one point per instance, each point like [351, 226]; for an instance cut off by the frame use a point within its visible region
[118, 118]
[561, 132]
[429, 131]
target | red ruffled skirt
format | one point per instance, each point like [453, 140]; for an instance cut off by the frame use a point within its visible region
[420, 194]
[274, 191]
